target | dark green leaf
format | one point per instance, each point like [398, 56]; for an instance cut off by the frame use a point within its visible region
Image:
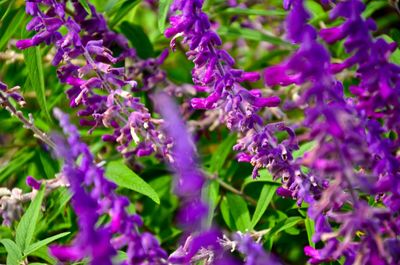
[27, 225]
[221, 154]
[163, 8]
[14, 255]
[239, 211]
[123, 176]
[265, 198]
[33, 61]
[35, 246]
[138, 38]
[9, 25]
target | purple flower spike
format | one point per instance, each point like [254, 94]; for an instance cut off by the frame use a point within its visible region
[94, 196]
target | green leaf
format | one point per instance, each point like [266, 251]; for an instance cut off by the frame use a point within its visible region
[249, 12]
[239, 211]
[26, 227]
[304, 148]
[14, 255]
[373, 6]
[221, 154]
[317, 11]
[33, 61]
[224, 207]
[251, 34]
[21, 158]
[123, 176]
[9, 26]
[138, 38]
[35, 246]
[211, 195]
[309, 223]
[43, 254]
[85, 6]
[265, 198]
[395, 56]
[163, 8]
[121, 11]
[265, 176]
[283, 225]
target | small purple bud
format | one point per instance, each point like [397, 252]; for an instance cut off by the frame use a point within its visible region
[32, 182]
[23, 44]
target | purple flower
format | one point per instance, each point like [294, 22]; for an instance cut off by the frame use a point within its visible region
[93, 196]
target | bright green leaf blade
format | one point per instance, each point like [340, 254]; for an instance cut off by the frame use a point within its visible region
[265, 176]
[266, 195]
[14, 255]
[138, 38]
[304, 148]
[121, 11]
[395, 56]
[9, 26]
[163, 9]
[283, 225]
[21, 158]
[123, 176]
[85, 6]
[26, 227]
[373, 6]
[239, 211]
[221, 154]
[35, 246]
[309, 223]
[251, 34]
[211, 195]
[224, 207]
[33, 61]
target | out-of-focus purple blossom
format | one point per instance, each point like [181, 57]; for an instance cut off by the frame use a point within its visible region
[188, 183]
[93, 196]
[254, 252]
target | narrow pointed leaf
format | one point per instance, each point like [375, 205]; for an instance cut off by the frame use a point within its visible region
[123, 176]
[35, 246]
[27, 225]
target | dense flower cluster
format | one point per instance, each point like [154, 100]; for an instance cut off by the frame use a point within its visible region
[94, 196]
[349, 179]
[351, 157]
[89, 66]
[214, 73]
